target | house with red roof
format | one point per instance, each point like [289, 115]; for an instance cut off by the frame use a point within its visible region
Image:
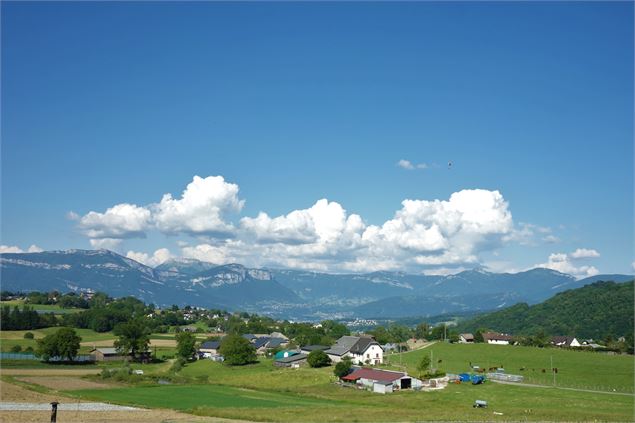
[382, 381]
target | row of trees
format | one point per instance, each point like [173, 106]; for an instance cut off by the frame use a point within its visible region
[14, 318]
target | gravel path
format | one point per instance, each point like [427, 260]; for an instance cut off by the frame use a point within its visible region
[83, 406]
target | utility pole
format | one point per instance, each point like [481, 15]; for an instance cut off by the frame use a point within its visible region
[553, 371]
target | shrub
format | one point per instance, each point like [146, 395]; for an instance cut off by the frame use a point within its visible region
[343, 368]
[178, 365]
[29, 349]
[318, 359]
[29, 335]
[16, 348]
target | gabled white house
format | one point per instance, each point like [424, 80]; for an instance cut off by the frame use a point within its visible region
[361, 350]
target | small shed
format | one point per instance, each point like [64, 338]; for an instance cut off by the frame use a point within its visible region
[382, 387]
[285, 354]
[294, 361]
[107, 354]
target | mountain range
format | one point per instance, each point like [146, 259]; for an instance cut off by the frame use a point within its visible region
[282, 293]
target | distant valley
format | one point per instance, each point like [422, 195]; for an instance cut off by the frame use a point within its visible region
[280, 293]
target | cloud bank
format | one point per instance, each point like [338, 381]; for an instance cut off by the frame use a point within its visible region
[421, 235]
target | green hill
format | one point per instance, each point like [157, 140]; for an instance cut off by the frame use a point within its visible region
[593, 311]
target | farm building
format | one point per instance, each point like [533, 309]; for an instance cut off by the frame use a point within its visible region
[107, 354]
[361, 349]
[308, 349]
[565, 341]
[295, 361]
[285, 354]
[382, 381]
[466, 338]
[209, 348]
[497, 338]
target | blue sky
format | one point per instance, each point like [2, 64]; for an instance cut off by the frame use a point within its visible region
[107, 104]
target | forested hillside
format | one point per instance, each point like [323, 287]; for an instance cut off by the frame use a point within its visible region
[593, 311]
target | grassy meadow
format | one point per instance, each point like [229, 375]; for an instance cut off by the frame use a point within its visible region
[576, 369]
[261, 392]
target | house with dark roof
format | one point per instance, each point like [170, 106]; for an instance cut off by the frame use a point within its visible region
[294, 361]
[361, 349]
[382, 381]
[209, 349]
[565, 341]
[308, 349]
[497, 338]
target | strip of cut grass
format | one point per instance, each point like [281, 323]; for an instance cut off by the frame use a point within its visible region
[334, 403]
[189, 397]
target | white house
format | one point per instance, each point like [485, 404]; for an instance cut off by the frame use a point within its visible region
[361, 350]
[497, 338]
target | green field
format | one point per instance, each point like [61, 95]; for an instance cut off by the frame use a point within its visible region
[576, 369]
[55, 309]
[261, 393]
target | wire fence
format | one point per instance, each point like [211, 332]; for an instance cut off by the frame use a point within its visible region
[30, 356]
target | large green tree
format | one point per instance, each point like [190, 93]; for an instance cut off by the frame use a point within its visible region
[134, 337]
[63, 343]
[185, 345]
[237, 350]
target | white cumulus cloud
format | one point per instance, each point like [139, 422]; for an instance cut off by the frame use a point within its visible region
[120, 221]
[571, 263]
[582, 253]
[201, 208]
[105, 243]
[326, 237]
[160, 256]
[408, 165]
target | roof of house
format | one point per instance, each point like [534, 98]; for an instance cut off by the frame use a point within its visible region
[374, 374]
[362, 344]
[210, 345]
[559, 340]
[346, 341]
[278, 335]
[467, 336]
[275, 342]
[249, 336]
[335, 350]
[315, 348]
[292, 358]
[261, 342]
[493, 336]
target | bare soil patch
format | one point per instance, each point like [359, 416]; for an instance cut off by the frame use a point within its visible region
[14, 393]
[64, 383]
[145, 416]
[110, 343]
